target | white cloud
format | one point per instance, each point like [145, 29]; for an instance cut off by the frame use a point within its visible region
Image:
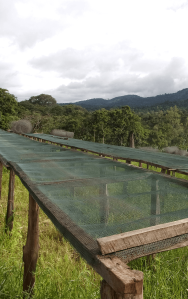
[81, 49]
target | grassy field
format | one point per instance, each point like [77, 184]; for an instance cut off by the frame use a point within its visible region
[62, 273]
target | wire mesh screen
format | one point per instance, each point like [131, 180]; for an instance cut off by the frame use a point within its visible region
[101, 197]
[165, 159]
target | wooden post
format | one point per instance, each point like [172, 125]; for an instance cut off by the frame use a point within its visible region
[10, 203]
[104, 205]
[155, 202]
[31, 249]
[122, 282]
[168, 171]
[163, 170]
[140, 164]
[1, 174]
[131, 140]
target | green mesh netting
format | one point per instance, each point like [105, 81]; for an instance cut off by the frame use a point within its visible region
[164, 159]
[101, 197]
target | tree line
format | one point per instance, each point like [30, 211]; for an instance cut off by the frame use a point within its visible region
[158, 129]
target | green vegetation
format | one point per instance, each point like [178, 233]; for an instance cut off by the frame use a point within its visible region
[156, 128]
[62, 273]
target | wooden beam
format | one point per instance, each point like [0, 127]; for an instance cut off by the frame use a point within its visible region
[142, 236]
[31, 249]
[10, 203]
[120, 282]
[1, 175]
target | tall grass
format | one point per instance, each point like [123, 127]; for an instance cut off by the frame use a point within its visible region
[62, 273]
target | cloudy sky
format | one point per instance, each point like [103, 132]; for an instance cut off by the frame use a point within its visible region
[81, 49]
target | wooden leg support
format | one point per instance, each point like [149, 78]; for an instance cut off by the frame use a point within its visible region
[120, 282]
[1, 174]
[10, 204]
[31, 249]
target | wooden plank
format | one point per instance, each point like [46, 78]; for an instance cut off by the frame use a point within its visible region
[1, 174]
[10, 204]
[125, 283]
[142, 236]
[31, 249]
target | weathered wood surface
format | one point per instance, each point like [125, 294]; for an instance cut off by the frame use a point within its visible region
[142, 236]
[1, 174]
[31, 249]
[10, 203]
[120, 282]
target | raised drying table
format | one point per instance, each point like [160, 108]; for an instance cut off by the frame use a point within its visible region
[106, 209]
[165, 161]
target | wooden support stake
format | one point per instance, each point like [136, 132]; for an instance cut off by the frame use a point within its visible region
[155, 202]
[104, 205]
[168, 171]
[131, 140]
[31, 249]
[140, 164]
[163, 170]
[10, 203]
[120, 282]
[1, 174]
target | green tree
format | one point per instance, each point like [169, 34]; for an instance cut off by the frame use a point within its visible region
[100, 124]
[8, 108]
[43, 99]
[122, 122]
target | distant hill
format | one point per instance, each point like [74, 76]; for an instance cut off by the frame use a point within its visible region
[133, 101]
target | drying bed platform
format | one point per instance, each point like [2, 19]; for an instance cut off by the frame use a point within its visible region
[170, 162]
[103, 207]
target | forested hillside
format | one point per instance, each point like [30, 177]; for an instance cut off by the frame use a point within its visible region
[160, 128]
[136, 102]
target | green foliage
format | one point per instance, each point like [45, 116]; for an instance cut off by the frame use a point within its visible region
[43, 99]
[8, 108]
[157, 128]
